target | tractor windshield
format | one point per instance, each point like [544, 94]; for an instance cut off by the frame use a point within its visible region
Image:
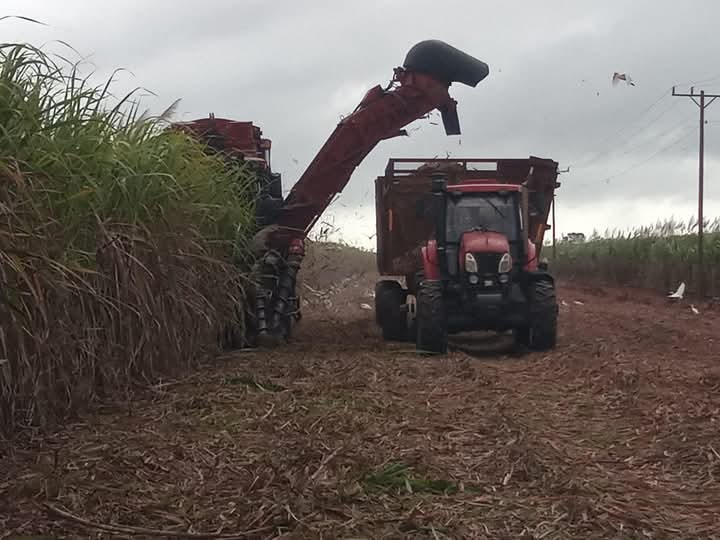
[488, 211]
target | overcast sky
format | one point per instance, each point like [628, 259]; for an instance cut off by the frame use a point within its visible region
[295, 67]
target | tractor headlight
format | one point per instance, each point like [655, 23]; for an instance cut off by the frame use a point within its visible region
[470, 263]
[505, 264]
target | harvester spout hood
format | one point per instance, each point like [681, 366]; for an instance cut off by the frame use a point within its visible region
[447, 65]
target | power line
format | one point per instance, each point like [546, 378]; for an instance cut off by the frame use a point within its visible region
[643, 162]
[638, 164]
[635, 165]
[647, 109]
[704, 81]
[633, 135]
[673, 128]
[614, 135]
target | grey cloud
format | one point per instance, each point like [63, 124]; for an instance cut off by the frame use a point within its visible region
[295, 67]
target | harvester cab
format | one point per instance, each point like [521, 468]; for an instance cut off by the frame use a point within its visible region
[241, 142]
[477, 267]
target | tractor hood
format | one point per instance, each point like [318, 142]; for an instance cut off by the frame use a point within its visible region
[483, 242]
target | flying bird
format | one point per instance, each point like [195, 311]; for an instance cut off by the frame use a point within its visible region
[617, 77]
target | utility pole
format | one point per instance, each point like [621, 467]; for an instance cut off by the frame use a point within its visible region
[701, 169]
[554, 233]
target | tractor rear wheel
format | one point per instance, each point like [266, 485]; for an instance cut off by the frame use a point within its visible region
[541, 334]
[431, 319]
[389, 299]
[521, 335]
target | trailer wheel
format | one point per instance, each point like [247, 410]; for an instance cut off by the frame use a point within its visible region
[431, 320]
[389, 299]
[541, 335]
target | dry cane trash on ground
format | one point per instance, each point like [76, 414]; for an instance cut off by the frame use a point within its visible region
[340, 435]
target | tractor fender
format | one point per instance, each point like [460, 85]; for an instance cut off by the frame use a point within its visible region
[431, 268]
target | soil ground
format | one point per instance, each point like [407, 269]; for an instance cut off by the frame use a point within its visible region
[341, 435]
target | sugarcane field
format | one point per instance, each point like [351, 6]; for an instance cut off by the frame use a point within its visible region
[324, 270]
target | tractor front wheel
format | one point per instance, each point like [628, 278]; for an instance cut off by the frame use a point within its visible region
[541, 333]
[389, 300]
[431, 320]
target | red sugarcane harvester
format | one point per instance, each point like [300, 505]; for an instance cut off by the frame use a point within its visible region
[418, 87]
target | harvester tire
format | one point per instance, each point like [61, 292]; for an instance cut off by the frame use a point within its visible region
[541, 335]
[431, 321]
[266, 210]
[389, 299]
[275, 186]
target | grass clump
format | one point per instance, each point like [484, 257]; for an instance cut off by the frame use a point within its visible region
[397, 477]
[122, 243]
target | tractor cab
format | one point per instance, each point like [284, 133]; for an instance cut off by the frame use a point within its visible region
[480, 234]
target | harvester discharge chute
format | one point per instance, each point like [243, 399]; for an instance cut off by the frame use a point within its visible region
[418, 87]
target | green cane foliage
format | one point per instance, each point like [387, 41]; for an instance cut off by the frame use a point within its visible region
[100, 161]
[121, 241]
[658, 256]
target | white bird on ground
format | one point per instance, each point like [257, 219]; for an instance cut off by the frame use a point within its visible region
[679, 293]
[366, 307]
[694, 309]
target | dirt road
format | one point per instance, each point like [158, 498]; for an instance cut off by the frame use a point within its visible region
[613, 435]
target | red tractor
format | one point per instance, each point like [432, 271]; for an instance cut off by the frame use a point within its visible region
[418, 87]
[466, 235]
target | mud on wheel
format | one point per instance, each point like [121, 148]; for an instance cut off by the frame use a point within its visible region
[389, 315]
[541, 333]
[431, 321]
